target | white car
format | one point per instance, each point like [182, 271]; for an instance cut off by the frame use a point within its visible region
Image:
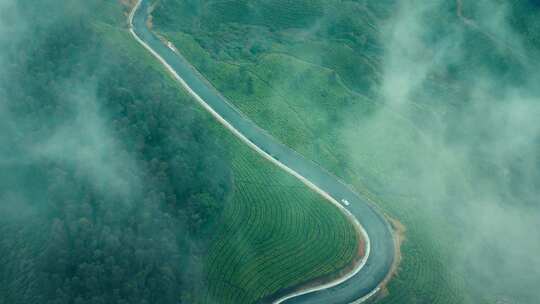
[345, 202]
[171, 46]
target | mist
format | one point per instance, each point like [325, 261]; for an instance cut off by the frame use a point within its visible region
[99, 197]
[74, 134]
[458, 132]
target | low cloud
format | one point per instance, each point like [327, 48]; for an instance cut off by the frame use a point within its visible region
[459, 135]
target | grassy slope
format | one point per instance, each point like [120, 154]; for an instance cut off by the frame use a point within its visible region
[423, 275]
[277, 97]
[299, 89]
[272, 222]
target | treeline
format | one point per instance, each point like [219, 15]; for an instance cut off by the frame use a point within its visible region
[110, 187]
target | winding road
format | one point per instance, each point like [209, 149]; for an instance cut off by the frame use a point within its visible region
[365, 279]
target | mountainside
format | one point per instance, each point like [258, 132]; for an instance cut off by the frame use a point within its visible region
[427, 107]
[116, 187]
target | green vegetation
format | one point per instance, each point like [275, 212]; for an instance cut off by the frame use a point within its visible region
[259, 68]
[427, 114]
[115, 187]
[275, 234]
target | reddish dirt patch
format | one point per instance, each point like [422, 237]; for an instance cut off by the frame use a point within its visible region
[128, 3]
[399, 238]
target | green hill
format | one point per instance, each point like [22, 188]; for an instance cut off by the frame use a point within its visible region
[427, 107]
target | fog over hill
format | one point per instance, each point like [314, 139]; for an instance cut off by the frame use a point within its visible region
[467, 83]
[108, 188]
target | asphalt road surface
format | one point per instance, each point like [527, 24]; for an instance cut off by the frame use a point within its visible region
[381, 257]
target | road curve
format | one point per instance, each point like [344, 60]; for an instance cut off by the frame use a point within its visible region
[364, 280]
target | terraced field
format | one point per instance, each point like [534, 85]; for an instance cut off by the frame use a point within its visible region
[426, 260]
[276, 233]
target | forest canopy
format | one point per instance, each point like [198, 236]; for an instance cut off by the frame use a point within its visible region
[109, 187]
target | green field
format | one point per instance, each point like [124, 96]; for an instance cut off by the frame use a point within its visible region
[324, 77]
[271, 224]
